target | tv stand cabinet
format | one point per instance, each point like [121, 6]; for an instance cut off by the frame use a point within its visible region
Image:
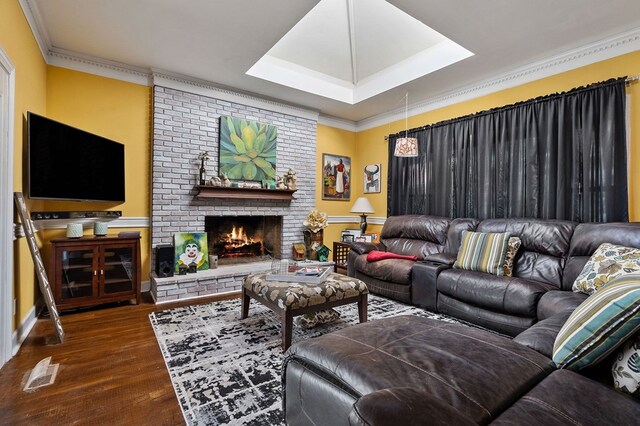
[91, 271]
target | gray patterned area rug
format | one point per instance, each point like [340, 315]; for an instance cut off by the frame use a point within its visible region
[226, 370]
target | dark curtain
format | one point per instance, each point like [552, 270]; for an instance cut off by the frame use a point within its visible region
[557, 157]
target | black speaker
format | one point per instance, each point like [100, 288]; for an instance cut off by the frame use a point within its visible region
[164, 254]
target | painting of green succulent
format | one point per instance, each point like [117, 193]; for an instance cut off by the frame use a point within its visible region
[247, 149]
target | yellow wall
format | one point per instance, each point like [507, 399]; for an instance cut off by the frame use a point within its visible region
[19, 44]
[343, 142]
[113, 109]
[338, 142]
[116, 110]
[372, 148]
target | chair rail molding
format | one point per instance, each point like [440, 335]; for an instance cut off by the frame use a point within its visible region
[333, 220]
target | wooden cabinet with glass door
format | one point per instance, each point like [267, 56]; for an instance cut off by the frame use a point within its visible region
[94, 270]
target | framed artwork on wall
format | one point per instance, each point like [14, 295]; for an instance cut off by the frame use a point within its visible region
[336, 177]
[191, 250]
[247, 149]
[372, 174]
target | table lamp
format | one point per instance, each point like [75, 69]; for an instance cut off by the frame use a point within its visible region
[362, 206]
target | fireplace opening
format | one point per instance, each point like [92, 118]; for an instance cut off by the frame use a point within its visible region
[244, 239]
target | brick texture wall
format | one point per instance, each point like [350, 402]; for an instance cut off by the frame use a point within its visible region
[185, 124]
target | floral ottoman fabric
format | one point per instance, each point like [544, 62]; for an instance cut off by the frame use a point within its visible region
[314, 319]
[293, 296]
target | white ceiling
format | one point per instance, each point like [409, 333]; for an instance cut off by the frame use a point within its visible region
[220, 40]
[351, 50]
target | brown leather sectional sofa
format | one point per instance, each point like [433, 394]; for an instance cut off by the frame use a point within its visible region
[412, 370]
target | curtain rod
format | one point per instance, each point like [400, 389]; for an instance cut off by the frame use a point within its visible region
[628, 81]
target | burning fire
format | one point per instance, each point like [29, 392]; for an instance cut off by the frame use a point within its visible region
[238, 238]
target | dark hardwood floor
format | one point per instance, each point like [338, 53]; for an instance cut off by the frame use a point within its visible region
[111, 371]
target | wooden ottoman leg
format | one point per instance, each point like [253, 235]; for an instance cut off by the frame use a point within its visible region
[362, 307]
[245, 304]
[287, 329]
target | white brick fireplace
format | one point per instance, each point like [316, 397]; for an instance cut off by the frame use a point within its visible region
[185, 124]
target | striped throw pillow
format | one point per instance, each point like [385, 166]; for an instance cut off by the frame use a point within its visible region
[600, 324]
[483, 252]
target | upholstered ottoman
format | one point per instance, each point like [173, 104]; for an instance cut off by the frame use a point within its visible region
[289, 299]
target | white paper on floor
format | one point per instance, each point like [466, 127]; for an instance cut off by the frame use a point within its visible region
[43, 374]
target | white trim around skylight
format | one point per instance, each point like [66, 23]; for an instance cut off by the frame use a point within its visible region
[298, 77]
[439, 56]
[283, 64]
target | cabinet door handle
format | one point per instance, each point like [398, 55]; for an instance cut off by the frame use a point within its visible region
[101, 271]
[95, 273]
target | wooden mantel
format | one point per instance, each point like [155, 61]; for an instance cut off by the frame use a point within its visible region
[205, 191]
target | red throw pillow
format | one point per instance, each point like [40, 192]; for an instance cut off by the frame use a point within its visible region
[376, 255]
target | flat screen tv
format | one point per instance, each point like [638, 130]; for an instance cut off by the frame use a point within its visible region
[65, 163]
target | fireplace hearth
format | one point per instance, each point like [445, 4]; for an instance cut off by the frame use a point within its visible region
[243, 239]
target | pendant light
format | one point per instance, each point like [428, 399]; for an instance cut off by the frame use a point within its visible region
[406, 146]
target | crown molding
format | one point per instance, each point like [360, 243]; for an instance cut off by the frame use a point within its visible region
[98, 66]
[339, 123]
[39, 30]
[206, 88]
[595, 52]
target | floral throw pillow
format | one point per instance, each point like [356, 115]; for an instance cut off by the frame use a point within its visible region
[608, 262]
[626, 368]
[512, 249]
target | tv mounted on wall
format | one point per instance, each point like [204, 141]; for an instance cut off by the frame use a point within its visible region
[65, 163]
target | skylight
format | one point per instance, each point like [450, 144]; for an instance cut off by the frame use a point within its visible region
[351, 50]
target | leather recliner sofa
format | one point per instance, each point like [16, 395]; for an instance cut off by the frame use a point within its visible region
[551, 256]
[410, 235]
[413, 370]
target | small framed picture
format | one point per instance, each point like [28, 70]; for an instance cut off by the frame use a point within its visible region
[360, 240]
[372, 176]
[367, 237]
[346, 238]
[355, 232]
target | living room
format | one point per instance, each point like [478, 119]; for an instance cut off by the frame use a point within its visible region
[46, 49]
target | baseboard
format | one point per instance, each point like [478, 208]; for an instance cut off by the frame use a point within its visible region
[23, 330]
[145, 286]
